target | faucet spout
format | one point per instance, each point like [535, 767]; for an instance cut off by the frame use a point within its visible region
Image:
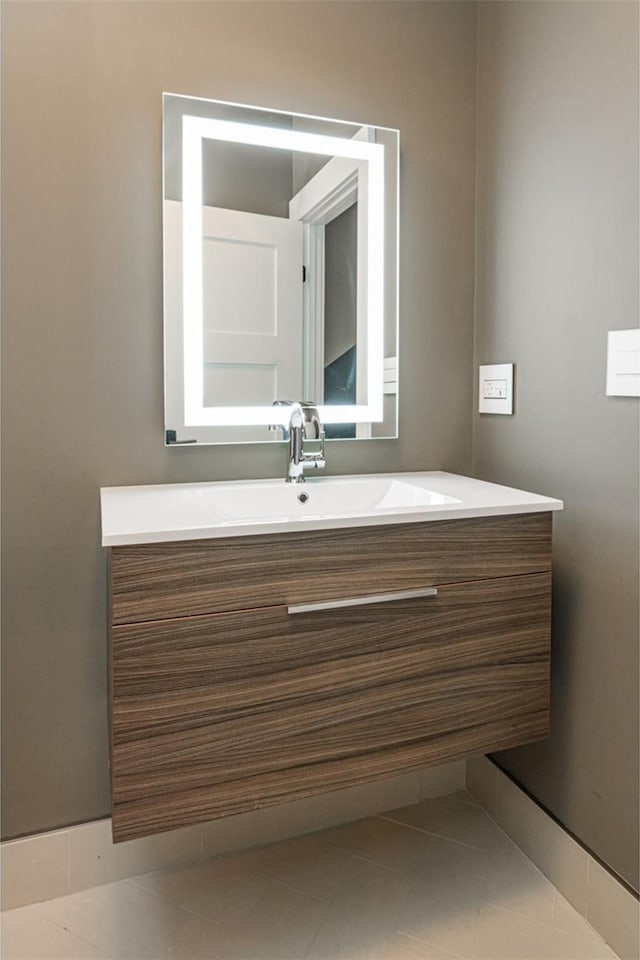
[304, 424]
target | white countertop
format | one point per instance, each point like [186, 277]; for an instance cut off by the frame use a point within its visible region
[195, 511]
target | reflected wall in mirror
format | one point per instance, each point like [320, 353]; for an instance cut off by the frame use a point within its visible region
[280, 272]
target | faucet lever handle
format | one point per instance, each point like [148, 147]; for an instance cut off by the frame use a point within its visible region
[311, 420]
[316, 459]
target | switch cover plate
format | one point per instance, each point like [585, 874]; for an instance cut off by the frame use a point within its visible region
[496, 388]
[623, 363]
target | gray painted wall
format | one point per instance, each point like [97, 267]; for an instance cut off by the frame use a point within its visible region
[557, 260]
[557, 267]
[82, 303]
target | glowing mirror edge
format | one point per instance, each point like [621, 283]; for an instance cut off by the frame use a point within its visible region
[194, 130]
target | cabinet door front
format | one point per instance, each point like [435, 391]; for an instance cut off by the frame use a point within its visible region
[219, 714]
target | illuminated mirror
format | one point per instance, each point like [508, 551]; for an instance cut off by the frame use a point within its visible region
[280, 272]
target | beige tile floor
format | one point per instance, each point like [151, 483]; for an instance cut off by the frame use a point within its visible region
[435, 881]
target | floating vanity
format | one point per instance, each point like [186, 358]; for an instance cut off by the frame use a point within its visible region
[270, 641]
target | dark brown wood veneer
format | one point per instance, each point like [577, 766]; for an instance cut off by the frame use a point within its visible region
[222, 702]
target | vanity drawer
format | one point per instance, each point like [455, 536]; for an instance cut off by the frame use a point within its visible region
[187, 578]
[217, 714]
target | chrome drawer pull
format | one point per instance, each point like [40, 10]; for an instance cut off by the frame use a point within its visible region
[362, 601]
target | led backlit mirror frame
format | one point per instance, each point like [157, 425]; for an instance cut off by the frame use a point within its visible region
[369, 157]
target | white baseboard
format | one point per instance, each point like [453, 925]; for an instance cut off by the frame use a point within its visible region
[595, 892]
[48, 865]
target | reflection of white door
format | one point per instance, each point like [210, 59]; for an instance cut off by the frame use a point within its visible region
[339, 184]
[252, 308]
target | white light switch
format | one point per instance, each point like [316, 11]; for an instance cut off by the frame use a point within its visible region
[623, 363]
[496, 388]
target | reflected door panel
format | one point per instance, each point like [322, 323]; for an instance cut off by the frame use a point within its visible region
[252, 289]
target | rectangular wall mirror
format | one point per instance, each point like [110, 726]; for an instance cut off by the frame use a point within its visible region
[280, 272]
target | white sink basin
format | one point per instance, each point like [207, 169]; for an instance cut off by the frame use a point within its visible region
[240, 508]
[321, 497]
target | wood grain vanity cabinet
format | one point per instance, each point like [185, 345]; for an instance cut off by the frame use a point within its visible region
[225, 699]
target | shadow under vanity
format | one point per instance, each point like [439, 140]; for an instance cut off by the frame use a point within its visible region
[239, 678]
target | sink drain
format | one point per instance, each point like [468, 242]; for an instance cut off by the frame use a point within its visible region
[303, 497]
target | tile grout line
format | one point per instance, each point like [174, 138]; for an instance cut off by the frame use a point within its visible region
[319, 927]
[333, 848]
[555, 902]
[483, 887]
[472, 802]
[587, 906]
[590, 933]
[246, 874]
[359, 856]
[303, 893]
[431, 833]
[552, 926]
[428, 943]
[60, 926]
[525, 855]
[68, 846]
[180, 906]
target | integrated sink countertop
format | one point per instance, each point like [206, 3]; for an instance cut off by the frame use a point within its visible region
[194, 511]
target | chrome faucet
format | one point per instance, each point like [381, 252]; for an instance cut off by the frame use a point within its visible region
[304, 424]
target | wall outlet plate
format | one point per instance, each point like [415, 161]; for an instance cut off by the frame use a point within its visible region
[495, 393]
